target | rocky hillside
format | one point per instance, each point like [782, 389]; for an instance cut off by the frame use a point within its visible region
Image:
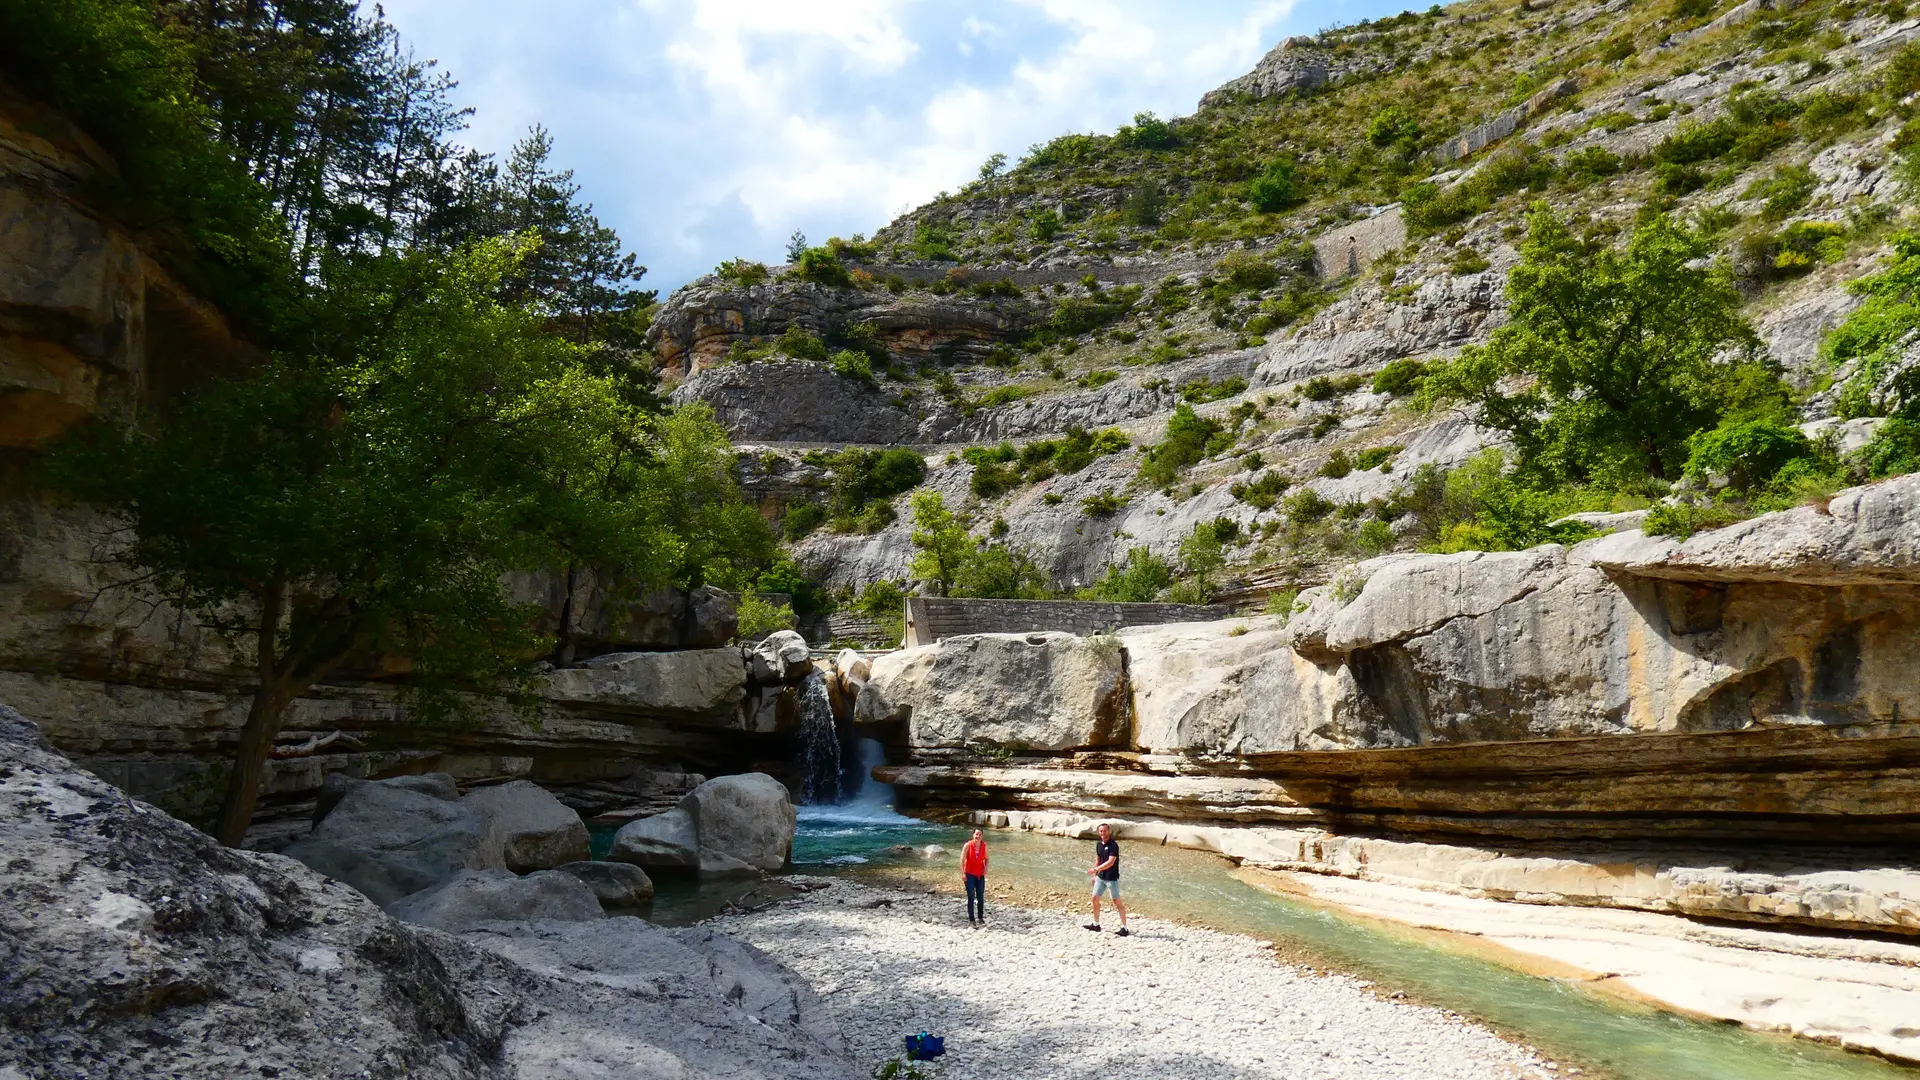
[1281, 263]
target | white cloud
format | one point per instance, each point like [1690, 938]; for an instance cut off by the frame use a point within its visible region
[704, 129]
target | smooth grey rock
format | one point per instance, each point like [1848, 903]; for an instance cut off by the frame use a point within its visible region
[747, 818]
[620, 999]
[1861, 536]
[536, 830]
[782, 656]
[389, 841]
[1044, 691]
[698, 684]
[618, 886]
[472, 897]
[337, 784]
[660, 840]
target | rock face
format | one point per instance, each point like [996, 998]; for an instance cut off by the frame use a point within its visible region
[732, 824]
[1047, 692]
[798, 402]
[137, 946]
[701, 322]
[536, 830]
[473, 897]
[388, 841]
[1754, 684]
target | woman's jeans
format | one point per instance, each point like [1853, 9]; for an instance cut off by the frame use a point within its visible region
[976, 896]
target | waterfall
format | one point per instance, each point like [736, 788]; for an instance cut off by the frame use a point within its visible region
[819, 741]
[873, 795]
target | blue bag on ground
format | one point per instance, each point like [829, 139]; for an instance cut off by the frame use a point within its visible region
[923, 1046]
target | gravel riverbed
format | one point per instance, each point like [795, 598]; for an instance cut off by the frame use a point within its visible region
[1034, 996]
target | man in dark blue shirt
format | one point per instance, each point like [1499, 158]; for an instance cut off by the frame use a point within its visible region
[1106, 877]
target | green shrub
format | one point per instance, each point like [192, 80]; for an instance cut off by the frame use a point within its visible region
[743, 272]
[1337, 465]
[797, 342]
[1895, 449]
[822, 267]
[1248, 272]
[853, 365]
[1400, 378]
[933, 240]
[1147, 132]
[1102, 504]
[1065, 150]
[1467, 261]
[1590, 164]
[1263, 491]
[1806, 244]
[1374, 457]
[1190, 437]
[1045, 226]
[1307, 506]
[1144, 205]
[1374, 537]
[801, 519]
[1138, 579]
[865, 482]
[1204, 390]
[1095, 379]
[1786, 191]
[759, 616]
[1274, 189]
[1748, 454]
[1682, 520]
[1393, 126]
[1005, 395]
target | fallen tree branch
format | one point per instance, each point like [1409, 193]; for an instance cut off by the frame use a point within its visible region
[312, 746]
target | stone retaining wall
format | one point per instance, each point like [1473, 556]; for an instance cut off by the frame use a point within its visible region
[930, 618]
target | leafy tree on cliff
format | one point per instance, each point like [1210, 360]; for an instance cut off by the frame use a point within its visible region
[942, 541]
[1612, 357]
[321, 513]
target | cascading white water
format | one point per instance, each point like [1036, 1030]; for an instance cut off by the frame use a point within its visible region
[819, 742]
[873, 795]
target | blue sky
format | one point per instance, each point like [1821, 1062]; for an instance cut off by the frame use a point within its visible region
[708, 129]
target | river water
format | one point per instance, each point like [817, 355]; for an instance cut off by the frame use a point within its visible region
[1562, 1018]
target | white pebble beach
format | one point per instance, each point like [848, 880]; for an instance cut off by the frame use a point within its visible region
[1034, 996]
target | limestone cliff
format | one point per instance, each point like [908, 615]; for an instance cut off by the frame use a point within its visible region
[1744, 700]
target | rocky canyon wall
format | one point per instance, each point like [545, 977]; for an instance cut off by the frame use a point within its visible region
[1634, 721]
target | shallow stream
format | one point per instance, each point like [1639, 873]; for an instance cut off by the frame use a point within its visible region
[1564, 1019]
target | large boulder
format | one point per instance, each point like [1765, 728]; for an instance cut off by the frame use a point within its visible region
[1046, 691]
[472, 897]
[618, 886]
[536, 830]
[662, 841]
[730, 824]
[782, 656]
[337, 784]
[704, 685]
[748, 817]
[388, 840]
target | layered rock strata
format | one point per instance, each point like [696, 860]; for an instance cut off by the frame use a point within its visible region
[1723, 726]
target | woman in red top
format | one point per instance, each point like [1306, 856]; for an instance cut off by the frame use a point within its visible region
[973, 867]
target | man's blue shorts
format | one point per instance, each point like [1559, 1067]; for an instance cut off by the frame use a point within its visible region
[1103, 887]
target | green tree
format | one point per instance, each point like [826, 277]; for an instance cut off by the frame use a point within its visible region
[1139, 578]
[1202, 556]
[942, 542]
[1003, 572]
[319, 512]
[1619, 352]
[994, 165]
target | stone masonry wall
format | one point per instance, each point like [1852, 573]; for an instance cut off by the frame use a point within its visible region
[930, 618]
